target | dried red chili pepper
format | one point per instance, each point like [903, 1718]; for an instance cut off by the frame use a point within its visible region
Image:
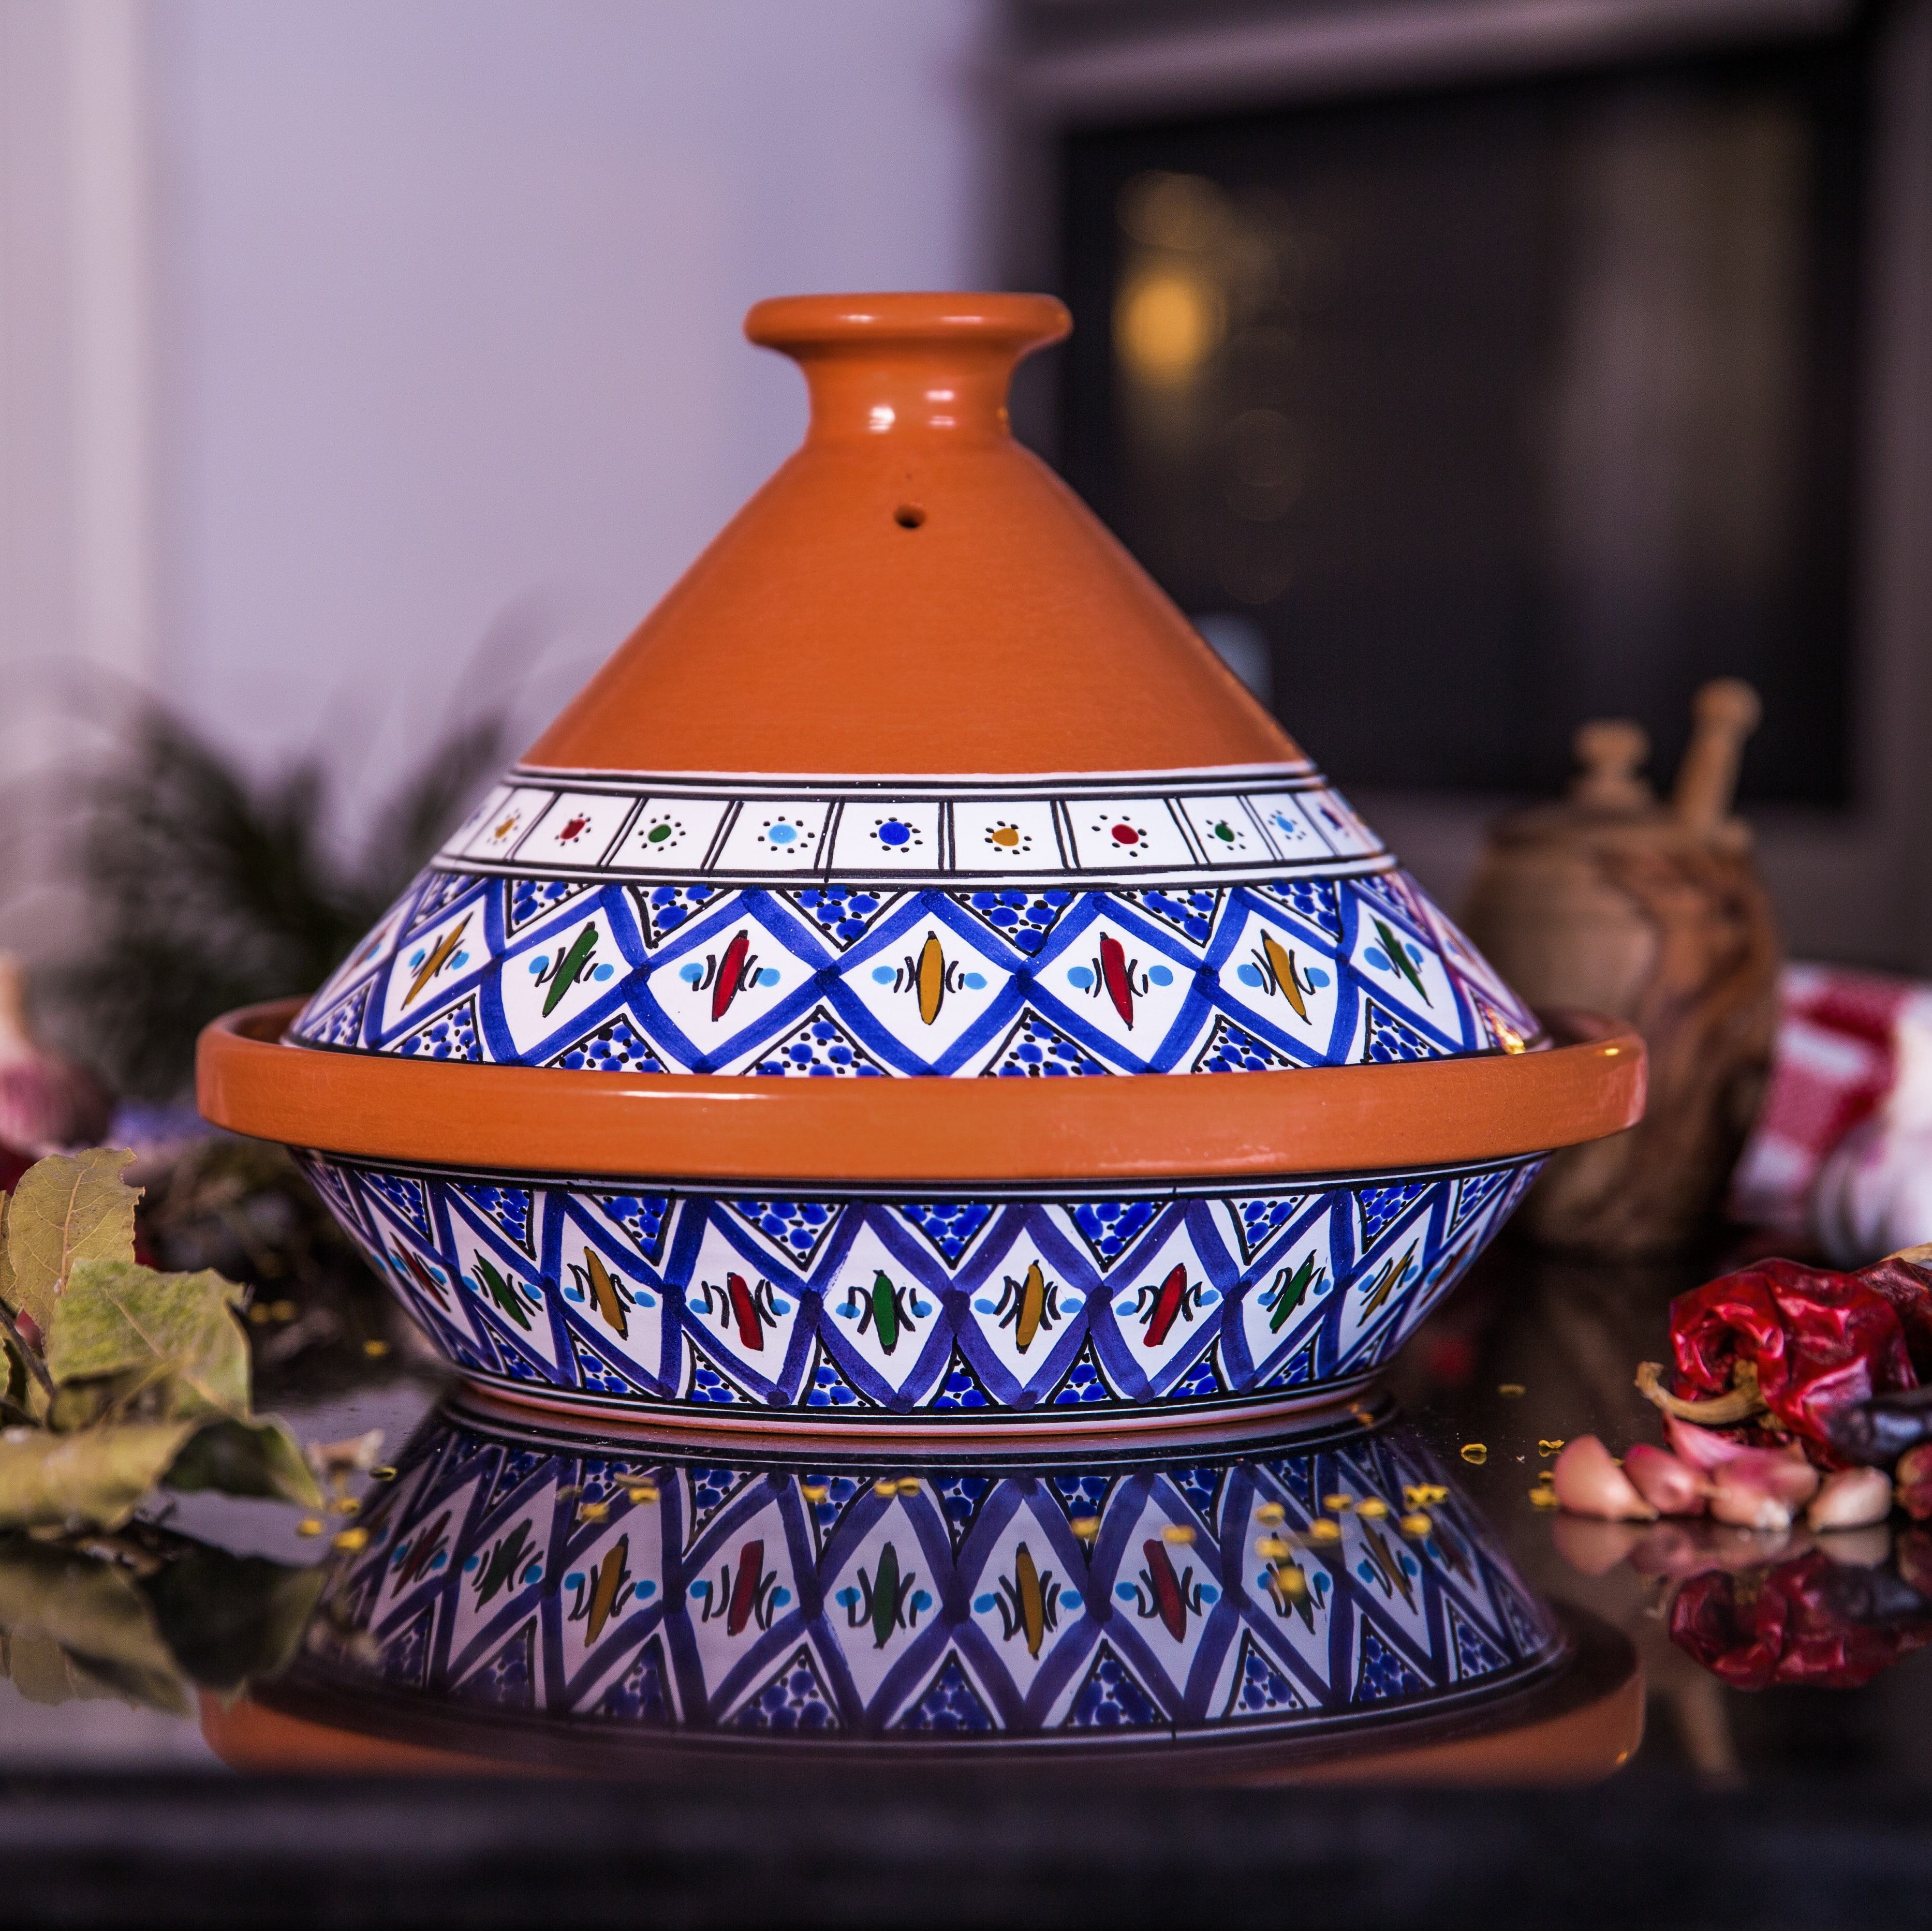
[1802, 1622]
[1819, 1342]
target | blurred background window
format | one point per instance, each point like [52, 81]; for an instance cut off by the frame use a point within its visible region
[1459, 417]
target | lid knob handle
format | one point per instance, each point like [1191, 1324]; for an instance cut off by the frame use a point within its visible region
[894, 366]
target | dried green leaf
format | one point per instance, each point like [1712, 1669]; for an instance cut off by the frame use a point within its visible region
[96, 1478]
[246, 1457]
[78, 1626]
[66, 1210]
[176, 1333]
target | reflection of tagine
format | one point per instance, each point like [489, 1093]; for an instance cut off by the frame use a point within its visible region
[1053, 1043]
[599, 1590]
[1614, 903]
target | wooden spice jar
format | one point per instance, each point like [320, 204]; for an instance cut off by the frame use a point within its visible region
[1613, 901]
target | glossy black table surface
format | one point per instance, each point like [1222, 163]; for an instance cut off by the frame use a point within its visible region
[1455, 1707]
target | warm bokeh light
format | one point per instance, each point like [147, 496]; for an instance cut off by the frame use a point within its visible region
[1166, 324]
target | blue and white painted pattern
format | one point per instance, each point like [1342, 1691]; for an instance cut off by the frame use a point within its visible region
[946, 1312]
[847, 981]
[1094, 1606]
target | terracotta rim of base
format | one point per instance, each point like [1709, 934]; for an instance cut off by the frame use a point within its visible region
[1320, 1120]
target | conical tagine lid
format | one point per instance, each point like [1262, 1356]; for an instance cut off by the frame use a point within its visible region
[915, 772]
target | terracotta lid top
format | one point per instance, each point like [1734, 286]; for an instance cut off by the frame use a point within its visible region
[913, 591]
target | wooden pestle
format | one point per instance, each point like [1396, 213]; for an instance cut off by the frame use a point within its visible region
[1725, 712]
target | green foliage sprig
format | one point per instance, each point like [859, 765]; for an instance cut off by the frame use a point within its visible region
[119, 1378]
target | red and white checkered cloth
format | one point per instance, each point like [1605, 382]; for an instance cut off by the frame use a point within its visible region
[1833, 1065]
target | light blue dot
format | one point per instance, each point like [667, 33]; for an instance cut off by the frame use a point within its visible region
[1079, 975]
[1249, 974]
[780, 1597]
[574, 1580]
[1125, 1590]
[921, 1602]
[782, 835]
[691, 974]
[1314, 976]
[600, 973]
[702, 1586]
[985, 1606]
[540, 963]
[883, 975]
[462, 959]
[1379, 959]
[973, 981]
[768, 975]
[984, 1306]
[1159, 975]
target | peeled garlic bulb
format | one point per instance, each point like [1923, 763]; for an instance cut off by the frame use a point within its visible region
[47, 1103]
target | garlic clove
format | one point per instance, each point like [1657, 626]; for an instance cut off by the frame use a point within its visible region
[1853, 1498]
[1745, 1506]
[1702, 1448]
[1671, 1486]
[1589, 1482]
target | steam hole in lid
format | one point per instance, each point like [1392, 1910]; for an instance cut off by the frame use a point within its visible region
[908, 516]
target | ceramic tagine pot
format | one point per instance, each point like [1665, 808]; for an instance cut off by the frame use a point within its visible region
[579, 1601]
[913, 986]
